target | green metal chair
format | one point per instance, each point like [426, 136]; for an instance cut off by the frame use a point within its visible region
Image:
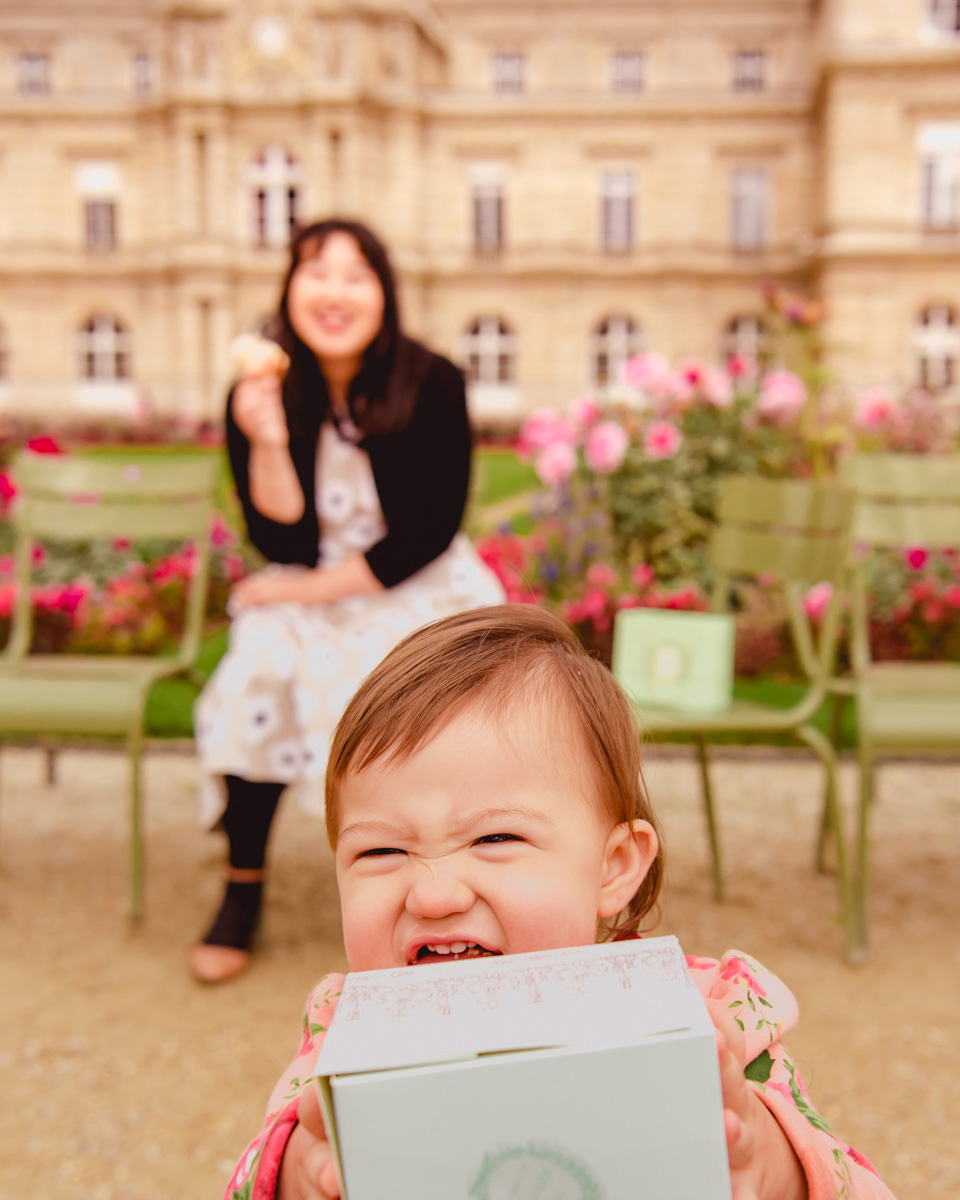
[901, 500]
[797, 531]
[81, 499]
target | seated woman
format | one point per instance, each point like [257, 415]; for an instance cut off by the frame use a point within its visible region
[353, 473]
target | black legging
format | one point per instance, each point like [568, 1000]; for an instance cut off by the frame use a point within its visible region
[247, 820]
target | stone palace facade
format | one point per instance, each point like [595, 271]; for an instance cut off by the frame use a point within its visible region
[562, 182]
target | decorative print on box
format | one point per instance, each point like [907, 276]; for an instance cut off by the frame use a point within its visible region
[410, 989]
[534, 1172]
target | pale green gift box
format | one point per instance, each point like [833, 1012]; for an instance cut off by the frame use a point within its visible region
[574, 1074]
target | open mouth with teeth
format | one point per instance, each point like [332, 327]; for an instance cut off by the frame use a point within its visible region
[453, 952]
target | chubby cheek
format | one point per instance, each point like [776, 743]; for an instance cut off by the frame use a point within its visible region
[369, 921]
[547, 913]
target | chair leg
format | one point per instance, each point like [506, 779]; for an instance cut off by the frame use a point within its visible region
[836, 737]
[855, 948]
[136, 828]
[715, 861]
[862, 883]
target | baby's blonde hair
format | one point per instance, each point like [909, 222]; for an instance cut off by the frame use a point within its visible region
[498, 658]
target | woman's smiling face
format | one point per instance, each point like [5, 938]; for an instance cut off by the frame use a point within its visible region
[335, 302]
[488, 840]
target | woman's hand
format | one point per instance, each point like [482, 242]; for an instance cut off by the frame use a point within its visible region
[258, 410]
[271, 586]
[308, 1171]
[763, 1165]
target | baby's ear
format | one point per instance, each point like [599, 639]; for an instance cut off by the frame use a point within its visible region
[628, 855]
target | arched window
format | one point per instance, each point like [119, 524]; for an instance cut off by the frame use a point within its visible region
[614, 340]
[746, 336]
[936, 340]
[274, 178]
[103, 349]
[489, 350]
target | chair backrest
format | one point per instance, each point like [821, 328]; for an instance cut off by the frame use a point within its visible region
[905, 499]
[795, 530]
[85, 498]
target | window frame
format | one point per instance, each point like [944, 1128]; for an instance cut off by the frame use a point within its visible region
[33, 70]
[950, 344]
[103, 346]
[939, 155]
[944, 16]
[628, 82]
[101, 237]
[750, 68]
[508, 72]
[619, 189]
[750, 190]
[611, 347]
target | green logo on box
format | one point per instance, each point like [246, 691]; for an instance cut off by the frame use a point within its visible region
[534, 1172]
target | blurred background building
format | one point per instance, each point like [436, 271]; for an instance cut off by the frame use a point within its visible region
[562, 182]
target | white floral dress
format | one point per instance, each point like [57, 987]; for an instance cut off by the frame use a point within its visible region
[270, 708]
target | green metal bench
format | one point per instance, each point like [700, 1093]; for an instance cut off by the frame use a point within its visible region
[83, 499]
[902, 500]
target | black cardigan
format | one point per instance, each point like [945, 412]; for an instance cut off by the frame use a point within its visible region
[422, 474]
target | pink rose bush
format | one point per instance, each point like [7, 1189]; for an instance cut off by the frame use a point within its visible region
[554, 443]
[782, 397]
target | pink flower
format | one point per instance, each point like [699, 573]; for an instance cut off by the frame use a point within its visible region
[741, 366]
[38, 556]
[8, 597]
[817, 599]
[606, 447]
[643, 575]
[952, 596]
[556, 463]
[716, 387]
[584, 410]
[233, 567]
[220, 532]
[628, 602]
[43, 445]
[782, 397]
[646, 372]
[915, 558]
[662, 439]
[933, 612]
[875, 409]
[766, 580]
[599, 575]
[544, 427]
[8, 491]
[7, 565]
[121, 545]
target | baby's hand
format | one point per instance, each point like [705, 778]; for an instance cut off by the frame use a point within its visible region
[308, 1171]
[763, 1165]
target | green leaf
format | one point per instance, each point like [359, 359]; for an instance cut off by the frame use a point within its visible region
[766, 1003]
[750, 1002]
[735, 1004]
[759, 1070]
[760, 1023]
[315, 1029]
[741, 1024]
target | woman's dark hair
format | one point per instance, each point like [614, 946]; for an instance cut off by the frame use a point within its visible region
[384, 393]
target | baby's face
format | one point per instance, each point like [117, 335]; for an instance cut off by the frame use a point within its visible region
[483, 842]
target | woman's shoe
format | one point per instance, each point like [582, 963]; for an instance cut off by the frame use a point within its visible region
[224, 952]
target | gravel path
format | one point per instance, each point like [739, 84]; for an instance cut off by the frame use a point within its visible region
[123, 1079]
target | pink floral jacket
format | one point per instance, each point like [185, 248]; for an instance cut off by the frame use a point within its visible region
[763, 1008]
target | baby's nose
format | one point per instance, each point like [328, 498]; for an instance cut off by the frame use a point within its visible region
[437, 892]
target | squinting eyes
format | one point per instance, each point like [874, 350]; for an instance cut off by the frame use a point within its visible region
[490, 839]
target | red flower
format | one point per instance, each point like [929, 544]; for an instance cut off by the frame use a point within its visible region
[915, 557]
[8, 491]
[44, 444]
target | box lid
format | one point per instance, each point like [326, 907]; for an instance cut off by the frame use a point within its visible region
[584, 996]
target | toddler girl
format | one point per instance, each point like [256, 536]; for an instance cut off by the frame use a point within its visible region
[484, 797]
